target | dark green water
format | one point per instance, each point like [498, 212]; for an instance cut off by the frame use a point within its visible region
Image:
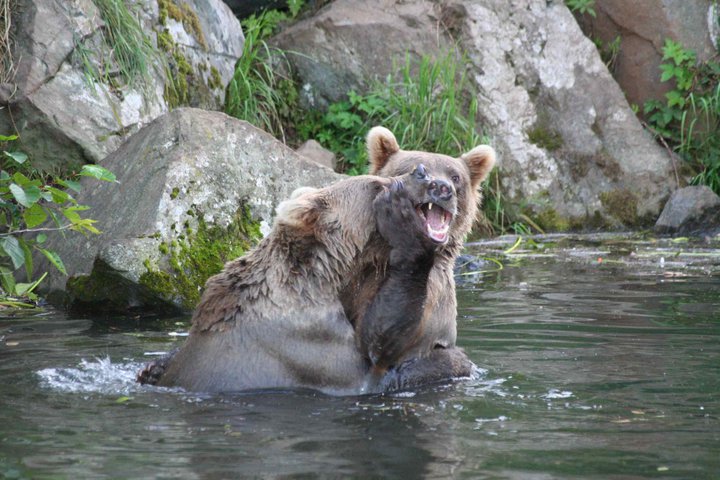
[591, 369]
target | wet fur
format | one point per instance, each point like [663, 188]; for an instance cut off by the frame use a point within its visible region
[335, 299]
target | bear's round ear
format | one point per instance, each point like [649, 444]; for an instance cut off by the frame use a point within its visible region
[480, 161]
[381, 145]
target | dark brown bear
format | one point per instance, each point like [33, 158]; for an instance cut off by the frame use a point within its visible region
[285, 314]
[435, 334]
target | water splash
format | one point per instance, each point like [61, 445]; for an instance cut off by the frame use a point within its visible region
[100, 375]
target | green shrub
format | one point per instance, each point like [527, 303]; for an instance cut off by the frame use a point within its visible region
[259, 92]
[582, 6]
[424, 105]
[689, 119]
[27, 202]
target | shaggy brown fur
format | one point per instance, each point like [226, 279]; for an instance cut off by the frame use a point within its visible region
[438, 327]
[347, 294]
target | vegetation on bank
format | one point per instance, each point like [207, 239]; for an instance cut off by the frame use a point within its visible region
[687, 121]
[426, 104]
[32, 204]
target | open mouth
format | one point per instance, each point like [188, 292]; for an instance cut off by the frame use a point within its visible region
[436, 220]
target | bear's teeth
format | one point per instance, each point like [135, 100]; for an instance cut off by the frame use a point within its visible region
[429, 206]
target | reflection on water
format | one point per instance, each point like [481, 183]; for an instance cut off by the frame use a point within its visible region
[590, 369]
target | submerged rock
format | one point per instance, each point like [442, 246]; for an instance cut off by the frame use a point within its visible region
[69, 100]
[691, 210]
[196, 189]
[572, 152]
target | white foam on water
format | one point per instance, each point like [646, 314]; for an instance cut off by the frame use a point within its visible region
[99, 375]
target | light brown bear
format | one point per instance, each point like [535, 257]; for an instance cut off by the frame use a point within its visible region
[342, 296]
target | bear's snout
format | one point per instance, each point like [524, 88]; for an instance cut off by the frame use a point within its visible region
[440, 190]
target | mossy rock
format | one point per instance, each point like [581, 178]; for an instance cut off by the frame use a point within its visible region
[195, 256]
[622, 205]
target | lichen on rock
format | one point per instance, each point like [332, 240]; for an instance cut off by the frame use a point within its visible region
[197, 255]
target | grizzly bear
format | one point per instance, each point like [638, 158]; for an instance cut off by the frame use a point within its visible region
[341, 296]
[462, 177]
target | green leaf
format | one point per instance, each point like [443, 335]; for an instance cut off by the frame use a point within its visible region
[675, 98]
[71, 184]
[8, 138]
[72, 215]
[98, 172]
[27, 288]
[7, 280]
[25, 196]
[54, 259]
[85, 224]
[19, 157]
[58, 196]
[41, 238]
[668, 72]
[24, 181]
[28, 257]
[34, 216]
[12, 248]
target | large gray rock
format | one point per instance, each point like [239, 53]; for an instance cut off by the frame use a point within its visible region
[643, 26]
[312, 150]
[191, 184]
[64, 119]
[690, 210]
[347, 44]
[566, 135]
[572, 152]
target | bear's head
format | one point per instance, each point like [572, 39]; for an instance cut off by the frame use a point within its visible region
[456, 178]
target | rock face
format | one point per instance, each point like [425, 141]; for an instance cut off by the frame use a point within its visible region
[571, 150]
[567, 135]
[349, 43]
[690, 210]
[194, 185]
[312, 150]
[643, 26]
[65, 119]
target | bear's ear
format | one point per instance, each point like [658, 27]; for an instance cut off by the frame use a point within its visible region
[300, 213]
[381, 145]
[480, 160]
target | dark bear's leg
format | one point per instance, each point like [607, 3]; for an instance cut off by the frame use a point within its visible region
[391, 323]
[153, 371]
[441, 365]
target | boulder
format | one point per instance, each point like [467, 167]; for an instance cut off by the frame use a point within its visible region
[643, 26]
[690, 210]
[312, 150]
[347, 44]
[572, 153]
[196, 188]
[572, 149]
[66, 117]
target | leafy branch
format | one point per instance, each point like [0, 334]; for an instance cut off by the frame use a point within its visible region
[28, 203]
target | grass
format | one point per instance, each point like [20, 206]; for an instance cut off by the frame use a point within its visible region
[431, 109]
[7, 66]
[427, 106]
[130, 51]
[689, 118]
[255, 93]
[700, 137]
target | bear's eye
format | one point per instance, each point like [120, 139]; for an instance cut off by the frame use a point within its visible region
[455, 179]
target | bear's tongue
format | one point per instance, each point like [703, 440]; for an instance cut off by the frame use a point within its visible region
[437, 223]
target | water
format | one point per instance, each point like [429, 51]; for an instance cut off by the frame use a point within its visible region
[599, 361]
